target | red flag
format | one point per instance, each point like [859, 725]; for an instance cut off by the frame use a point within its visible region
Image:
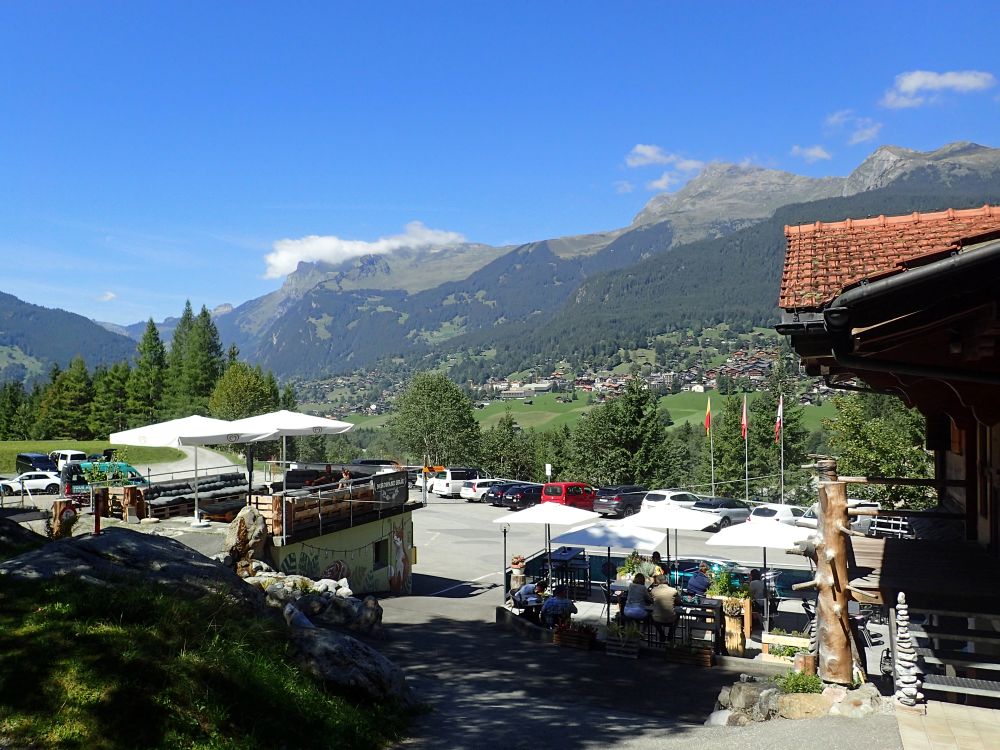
[781, 414]
[708, 416]
[743, 421]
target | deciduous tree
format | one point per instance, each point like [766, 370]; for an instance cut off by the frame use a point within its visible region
[433, 420]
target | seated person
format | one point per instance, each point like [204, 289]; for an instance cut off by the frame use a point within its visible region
[325, 477]
[557, 607]
[345, 478]
[530, 594]
[758, 591]
[698, 583]
[664, 598]
[638, 599]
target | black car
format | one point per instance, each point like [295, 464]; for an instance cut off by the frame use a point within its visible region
[619, 500]
[494, 495]
[522, 496]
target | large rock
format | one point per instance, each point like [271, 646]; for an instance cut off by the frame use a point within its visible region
[247, 535]
[858, 704]
[744, 695]
[339, 659]
[803, 705]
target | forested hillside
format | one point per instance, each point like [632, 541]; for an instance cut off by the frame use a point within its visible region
[732, 279]
[33, 338]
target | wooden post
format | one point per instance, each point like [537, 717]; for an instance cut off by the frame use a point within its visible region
[833, 628]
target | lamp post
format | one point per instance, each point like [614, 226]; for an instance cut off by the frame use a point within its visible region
[503, 577]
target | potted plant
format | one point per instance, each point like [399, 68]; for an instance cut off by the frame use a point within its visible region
[574, 634]
[736, 608]
[517, 563]
[687, 653]
[623, 640]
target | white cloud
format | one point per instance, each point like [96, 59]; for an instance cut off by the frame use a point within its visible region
[911, 89]
[865, 129]
[862, 129]
[108, 296]
[288, 253]
[811, 153]
[643, 154]
[624, 186]
[666, 181]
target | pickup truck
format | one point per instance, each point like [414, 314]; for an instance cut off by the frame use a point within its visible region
[619, 500]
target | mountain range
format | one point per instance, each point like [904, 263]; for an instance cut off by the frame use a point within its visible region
[709, 252]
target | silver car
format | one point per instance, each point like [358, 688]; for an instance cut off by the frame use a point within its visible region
[728, 510]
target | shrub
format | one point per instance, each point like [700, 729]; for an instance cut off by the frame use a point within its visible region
[799, 682]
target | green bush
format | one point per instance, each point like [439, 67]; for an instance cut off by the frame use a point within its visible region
[799, 682]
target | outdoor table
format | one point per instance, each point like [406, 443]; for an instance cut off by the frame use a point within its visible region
[565, 554]
[703, 614]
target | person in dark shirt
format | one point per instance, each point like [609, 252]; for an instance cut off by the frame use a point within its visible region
[700, 581]
[557, 607]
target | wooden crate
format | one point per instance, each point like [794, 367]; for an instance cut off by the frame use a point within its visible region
[573, 639]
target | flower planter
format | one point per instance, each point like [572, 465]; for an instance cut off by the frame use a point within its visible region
[700, 657]
[573, 639]
[770, 639]
[626, 650]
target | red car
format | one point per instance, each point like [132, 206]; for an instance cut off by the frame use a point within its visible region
[573, 494]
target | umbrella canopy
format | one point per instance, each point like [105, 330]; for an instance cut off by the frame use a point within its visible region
[672, 517]
[763, 535]
[283, 423]
[614, 536]
[550, 513]
[193, 430]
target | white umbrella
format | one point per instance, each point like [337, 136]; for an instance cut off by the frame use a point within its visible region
[285, 423]
[194, 430]
[668, 516]
[616, 535]
[548, 514]
[763, 534]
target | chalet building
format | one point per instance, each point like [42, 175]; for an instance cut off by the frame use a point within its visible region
[910, 306]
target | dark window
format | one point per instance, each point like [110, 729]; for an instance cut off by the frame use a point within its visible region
[765, 512]
[380, 552]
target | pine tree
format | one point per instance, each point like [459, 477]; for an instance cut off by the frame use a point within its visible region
[202, 364]
[12, 396]
[65, 407]
[109, 410]
[288, 400]
[146, 384]
[176, 397]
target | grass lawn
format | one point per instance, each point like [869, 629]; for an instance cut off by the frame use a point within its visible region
[95, 668]
[135, 454]
[545, 413]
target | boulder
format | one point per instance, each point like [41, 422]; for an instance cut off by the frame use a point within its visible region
[340, 660]
[369, 620]
[312, 604]
[296, 618]
[744, 695]
[718, 718]
[339, 612]
[737, 720]
[803, 705]
[723, 699]
[836, 693]
[247, 535]
[278, 595]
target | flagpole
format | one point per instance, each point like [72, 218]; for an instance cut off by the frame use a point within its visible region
[711, 452]
[746, 452]
[779, 426]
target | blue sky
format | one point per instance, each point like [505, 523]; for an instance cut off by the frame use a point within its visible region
[157, 152]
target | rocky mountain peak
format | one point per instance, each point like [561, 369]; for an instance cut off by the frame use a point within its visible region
[889, 163]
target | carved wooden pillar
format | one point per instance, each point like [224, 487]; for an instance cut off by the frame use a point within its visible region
[833, 628]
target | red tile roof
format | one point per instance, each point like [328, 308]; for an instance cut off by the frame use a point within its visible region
[823, 260]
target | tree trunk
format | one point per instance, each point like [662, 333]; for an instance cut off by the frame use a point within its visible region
[833, 625]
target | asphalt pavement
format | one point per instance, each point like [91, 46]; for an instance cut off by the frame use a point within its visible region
[487, 686]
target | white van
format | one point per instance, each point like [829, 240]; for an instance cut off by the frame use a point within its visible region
[62, 457]
[448, 483]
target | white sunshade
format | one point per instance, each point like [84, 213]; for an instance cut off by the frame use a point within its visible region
[613, 535]
[550, 513]
[286, 423]
[193, 430]
[665, 516]
[762, 535]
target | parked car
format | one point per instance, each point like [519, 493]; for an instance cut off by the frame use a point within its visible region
[573, 494]
[494, 495]
[619, 500]
[32, 481]
[448, 483]
[810, 518]
[24, 462]
[73, 482]
[473, 490]
[521, 496]
[116, 470]
[728, 510]
[776, 512]
[63, 456]
[669, 497]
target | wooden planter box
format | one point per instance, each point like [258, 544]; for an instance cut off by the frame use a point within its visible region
[701, 657]
[627, 650]
[769, 639]
[573, 639]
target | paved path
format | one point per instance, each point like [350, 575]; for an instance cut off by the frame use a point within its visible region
[489, 688]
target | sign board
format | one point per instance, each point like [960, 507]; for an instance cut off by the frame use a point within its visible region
[548, 470]
[391, 489]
